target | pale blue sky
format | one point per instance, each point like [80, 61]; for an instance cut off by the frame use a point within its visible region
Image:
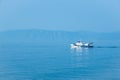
[70, 15]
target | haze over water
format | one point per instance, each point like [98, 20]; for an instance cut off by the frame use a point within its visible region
[35, 38]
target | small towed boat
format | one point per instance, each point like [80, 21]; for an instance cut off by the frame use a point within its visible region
[81, 44]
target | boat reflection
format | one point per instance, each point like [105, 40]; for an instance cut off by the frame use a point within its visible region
[79, 57]
[79, 50]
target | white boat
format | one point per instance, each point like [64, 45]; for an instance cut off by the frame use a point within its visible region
[81, 44]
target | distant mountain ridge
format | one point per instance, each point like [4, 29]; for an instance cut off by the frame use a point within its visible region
[37, 36]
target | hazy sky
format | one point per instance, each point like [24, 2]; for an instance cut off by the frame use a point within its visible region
[80, 15]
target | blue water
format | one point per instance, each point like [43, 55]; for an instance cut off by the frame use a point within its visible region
[58, 62]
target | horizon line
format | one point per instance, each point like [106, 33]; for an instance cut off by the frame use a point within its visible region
[61, 30]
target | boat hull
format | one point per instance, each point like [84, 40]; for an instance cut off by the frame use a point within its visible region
[88, 45]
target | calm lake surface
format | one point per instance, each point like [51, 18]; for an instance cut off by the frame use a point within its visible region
[58, 62]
